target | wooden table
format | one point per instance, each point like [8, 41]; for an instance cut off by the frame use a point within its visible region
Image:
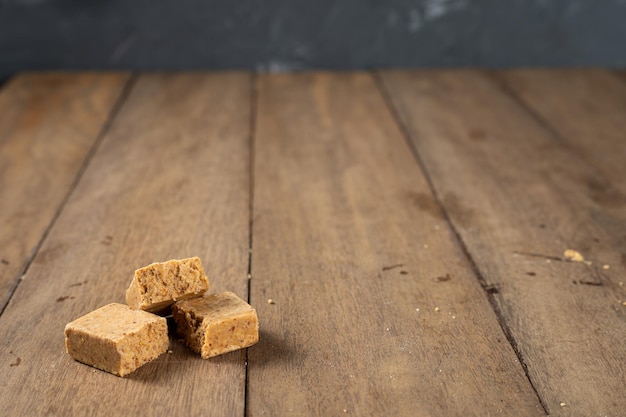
[410, 226]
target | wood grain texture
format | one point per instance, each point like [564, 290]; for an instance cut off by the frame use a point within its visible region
[170, 180]
[519, 199]
[48, 124]
[586, 108]
[376, 310]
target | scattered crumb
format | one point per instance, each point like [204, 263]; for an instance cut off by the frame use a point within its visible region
[94, 371]
[621, 284]
[387, 328]
[170, 351]
[388, 268]
[588, 263]
[562, 404]
[453, 317]
[249, 276]
[425, 246]
[572, 255]
[624, 303]
[270, 301]
[345, 411]
[606, 266]
[417, 309]
[436, 308]
[547, 261]
[444, 278]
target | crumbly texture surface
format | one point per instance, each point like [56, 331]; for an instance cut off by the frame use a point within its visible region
[116, 338]
[216, 324]
[159, 285]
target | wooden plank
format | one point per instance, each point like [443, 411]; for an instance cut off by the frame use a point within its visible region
[377, 311]
[518, 200]
[586, 108]
[170, 180]
[48, 124]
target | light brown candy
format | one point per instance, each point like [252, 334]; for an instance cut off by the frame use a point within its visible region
[116, 338]
[216, 324]
[159, 285]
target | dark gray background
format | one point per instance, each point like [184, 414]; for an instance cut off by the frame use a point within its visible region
[284, 35]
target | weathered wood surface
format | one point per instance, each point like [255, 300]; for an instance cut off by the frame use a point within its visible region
[586, 109]
[170, 180]
[48, 124]
[348, 239]
[377, 311]
[518, 199]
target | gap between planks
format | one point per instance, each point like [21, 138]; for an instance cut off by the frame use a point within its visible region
[500, 196]
[583, 111]
[251, 142]
[498, 80]
[215, 141]
[119, 103]
[487, 289]
[294, 112]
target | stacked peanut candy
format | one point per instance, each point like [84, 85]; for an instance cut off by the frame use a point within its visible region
[120, 338]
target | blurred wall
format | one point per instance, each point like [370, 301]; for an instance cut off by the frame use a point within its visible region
[283, 35]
